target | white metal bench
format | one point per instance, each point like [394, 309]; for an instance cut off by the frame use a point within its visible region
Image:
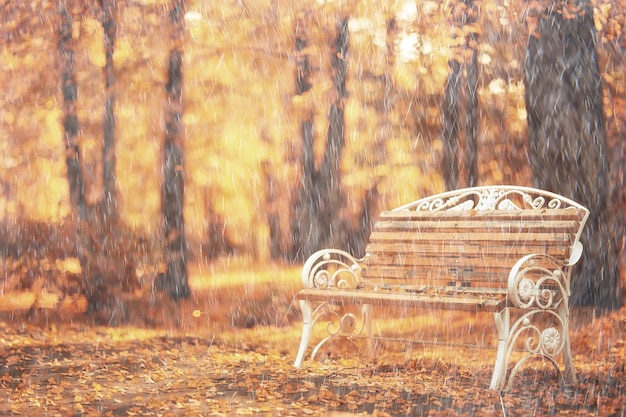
[497, 249]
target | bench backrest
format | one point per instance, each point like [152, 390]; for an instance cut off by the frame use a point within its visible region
[470, 238]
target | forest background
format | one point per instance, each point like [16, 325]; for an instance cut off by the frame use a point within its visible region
[241, 124]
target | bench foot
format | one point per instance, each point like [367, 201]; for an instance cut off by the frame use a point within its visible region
[502, 320]
[307, 318]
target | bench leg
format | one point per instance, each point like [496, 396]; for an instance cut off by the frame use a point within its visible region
[366, 310]
[568, 361]
[503, 327]
[547, 342]
[307, 325]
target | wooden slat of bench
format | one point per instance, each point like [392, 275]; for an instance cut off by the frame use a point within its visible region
[449, 263]
[462, 272]
[412, 271]
[498, 215]
[445, 290]
[544, 215]
[470, 237]
[465, 225]
[476, 264]
[397, 276]
[480, 259]
[420, 249]
[438, 257]
[405, 299]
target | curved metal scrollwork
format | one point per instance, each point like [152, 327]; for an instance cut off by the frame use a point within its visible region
[533, 285]
[346, 325]
[331, 268]
[548, 342]
[538, 284]
[491, 198]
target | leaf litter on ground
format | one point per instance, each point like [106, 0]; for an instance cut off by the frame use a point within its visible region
[228, 367]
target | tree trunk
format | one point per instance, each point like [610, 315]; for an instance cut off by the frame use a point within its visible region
[471, 96]
[450, 133]
[567, 139]
[86, 244]
[69, 89]
[329, 191]
[304, 231]
[109, 201]
[174, 279]
[319, 197]
[273, 214]
[357, 241]
[461, 97]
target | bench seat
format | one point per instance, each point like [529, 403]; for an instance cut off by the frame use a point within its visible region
[452, 300]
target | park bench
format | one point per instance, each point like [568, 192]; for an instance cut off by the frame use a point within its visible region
[503, 250]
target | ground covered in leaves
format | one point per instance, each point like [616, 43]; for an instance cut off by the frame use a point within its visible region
[229, 351]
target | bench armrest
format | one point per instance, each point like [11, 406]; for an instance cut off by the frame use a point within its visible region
[541, 281]
[576, 253]
[331, 268]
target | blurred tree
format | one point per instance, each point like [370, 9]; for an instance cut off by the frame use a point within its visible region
[330, 192]
[315, 221]
[174, 279]
[303, 206]
[69, 89]
[356, 239]
[568, 147]
[277, 250]
[384, 125]
[463, 73]
[450, 132]
[109, 202]
[217, 241]
[471, 93]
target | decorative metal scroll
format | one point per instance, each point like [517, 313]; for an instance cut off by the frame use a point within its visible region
[540, 284]
[541, 341]
[331, 268]
[345, 325]
[491, 198]
[533, 285]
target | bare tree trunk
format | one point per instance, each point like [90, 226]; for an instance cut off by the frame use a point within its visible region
[174, 279]
[303, 228]
[318, 200]
[330, 195]
[109, 202]
[461, 97]
[567, 138]
[69, 88]
[92, 284]
[272, 210]
[450, 133]
[357, 241]
[471, 97]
